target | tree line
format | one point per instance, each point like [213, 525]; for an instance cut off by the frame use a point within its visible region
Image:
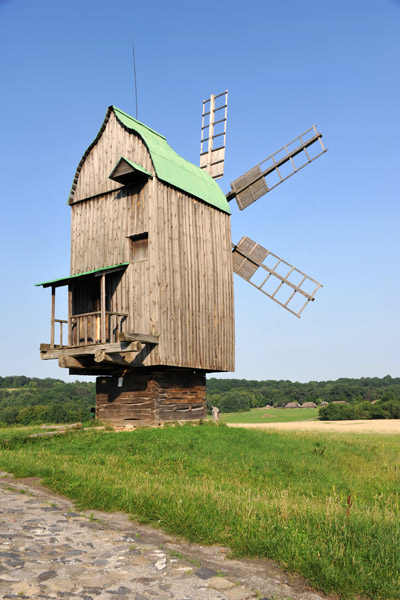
[365, 396]
[26, 400]
[387, 407]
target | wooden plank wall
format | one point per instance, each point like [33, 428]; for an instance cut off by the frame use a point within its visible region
[183, 291]
[191, 281]
[135, 401]
[99, 238]
[151, 397]
[115, 142]
[100, 226]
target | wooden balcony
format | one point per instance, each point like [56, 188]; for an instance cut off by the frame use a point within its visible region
[88, 329]
[98, 341]
[98, 346]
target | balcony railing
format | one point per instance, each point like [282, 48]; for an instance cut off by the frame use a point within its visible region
[87, 328]
[61, 322]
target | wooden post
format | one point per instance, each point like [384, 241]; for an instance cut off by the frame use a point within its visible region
[69, 315]
[53, 315]
[103, 308]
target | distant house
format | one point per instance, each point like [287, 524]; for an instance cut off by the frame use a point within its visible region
[293, 405]
[309, 405]
[339, 402]
[324, 403]
[268, 406]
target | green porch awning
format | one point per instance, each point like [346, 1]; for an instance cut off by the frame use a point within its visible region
[66, 280]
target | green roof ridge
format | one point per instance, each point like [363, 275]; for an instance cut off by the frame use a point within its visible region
[172, 168]
[116, 109]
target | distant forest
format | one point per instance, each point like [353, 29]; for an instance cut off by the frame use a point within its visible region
[368, 397]
[25, 400]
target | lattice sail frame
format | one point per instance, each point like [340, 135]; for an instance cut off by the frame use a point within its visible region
[248, 259]
[253, 184]
[212, 145]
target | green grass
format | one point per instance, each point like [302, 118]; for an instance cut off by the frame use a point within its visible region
[323, 505]
[270, 415]
[17, 432]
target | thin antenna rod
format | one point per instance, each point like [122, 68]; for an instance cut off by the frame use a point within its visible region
[134, 70]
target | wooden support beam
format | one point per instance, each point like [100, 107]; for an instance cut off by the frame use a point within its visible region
[109, 348]
[100, 355]
[48, 353]
[66, 362]
[103, 307]
[96, 370]
[132, 347]
[69, 315]
[139, 337]
[53, 314]
[84, 351]
[121, 359]
[114, 358]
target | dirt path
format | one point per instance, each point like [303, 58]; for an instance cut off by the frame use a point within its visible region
[388, 426]
[49, 551]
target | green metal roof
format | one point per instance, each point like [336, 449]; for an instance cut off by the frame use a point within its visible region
[64, 280]
[168, 165]
[174, 169]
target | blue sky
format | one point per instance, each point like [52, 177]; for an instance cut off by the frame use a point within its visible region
[287, 65]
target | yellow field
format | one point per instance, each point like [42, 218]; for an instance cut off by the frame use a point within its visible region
[374, 426]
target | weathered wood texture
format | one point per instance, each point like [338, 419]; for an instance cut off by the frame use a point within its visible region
[149, 397]
[114, 143]
[191, 287]
[180, 287]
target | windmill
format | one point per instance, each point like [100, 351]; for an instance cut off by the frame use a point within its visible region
[271, 275]
[150, 289]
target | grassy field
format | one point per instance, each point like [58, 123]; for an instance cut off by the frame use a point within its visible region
[270, 415]
[323, 505]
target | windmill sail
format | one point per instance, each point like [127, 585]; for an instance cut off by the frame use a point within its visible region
[273, 276]
[213, 135]
[278, 167]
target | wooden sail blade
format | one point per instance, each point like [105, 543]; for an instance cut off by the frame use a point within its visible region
[277, 279]
[213, 135]
[268, 174]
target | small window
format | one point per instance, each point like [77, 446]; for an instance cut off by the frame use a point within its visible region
[138, 247]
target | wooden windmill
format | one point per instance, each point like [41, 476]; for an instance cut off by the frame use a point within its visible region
[150, 291]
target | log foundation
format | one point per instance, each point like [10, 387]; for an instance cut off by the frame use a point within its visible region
[151, 397]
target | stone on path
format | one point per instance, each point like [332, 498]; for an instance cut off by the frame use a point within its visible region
[220, 583]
